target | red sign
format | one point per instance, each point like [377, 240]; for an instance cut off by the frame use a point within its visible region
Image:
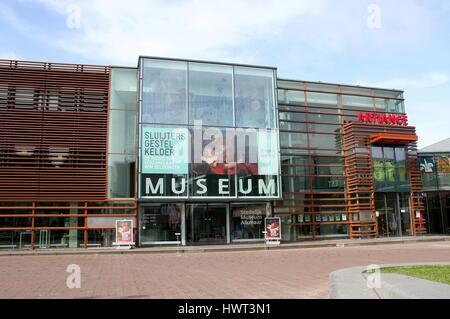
[383, 119]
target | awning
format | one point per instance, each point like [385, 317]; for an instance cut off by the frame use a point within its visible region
[397, 139]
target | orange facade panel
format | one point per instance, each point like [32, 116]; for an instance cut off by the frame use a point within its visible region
[53, 131]
[393, 139]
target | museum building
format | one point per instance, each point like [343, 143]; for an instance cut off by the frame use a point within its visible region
[197, 152]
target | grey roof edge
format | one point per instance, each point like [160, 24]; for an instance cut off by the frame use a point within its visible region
[204, 61]
[341, 84]
[438, 147]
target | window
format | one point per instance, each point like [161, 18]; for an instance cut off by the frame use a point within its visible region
[323, 99]
[164, 92]
[254, 90]
[210, 94]
[122, 132]
[327, 141]
[247, 222]
[389, 168]
[121, 176]
[357, 102]
[123, 88]
[160, 223]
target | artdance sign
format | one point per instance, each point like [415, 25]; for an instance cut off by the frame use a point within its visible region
[383, 119]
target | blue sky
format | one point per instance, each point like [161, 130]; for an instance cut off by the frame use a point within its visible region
[391, 44]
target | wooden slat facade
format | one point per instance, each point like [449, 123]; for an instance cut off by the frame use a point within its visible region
[53, 131]
[358, 158]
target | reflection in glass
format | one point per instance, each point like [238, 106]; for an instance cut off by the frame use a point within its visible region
[254, 97]
[358, 102]
[122, 132]
[58, 238]
[123, 88]
[15, 239]
[325, 141]
[100, 237]
[164, 92]
[121, 176]
[206, 223]
[295, 97]
[323, 99]
[247, 222]
[210, 94]
[160, 223]
[377, 152]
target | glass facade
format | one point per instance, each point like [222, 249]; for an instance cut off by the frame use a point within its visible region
[316, 200]
[435, 171]
[61, 224]
[207, 131]
[160, 223]
[389, 169]
[122, 150]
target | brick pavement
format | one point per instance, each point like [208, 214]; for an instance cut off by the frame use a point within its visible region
[292, 273]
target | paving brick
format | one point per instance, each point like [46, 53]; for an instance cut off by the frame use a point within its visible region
[292, 273]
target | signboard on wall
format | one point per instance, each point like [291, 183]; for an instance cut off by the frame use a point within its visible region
[209, 162]
[427, 164]
[164, 150]
[389, 119]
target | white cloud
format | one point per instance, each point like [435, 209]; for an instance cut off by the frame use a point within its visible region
[9, 55]
[117, 31]
[432, 79]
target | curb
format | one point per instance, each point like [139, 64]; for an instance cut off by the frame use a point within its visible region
[351, 283]
[228, 248]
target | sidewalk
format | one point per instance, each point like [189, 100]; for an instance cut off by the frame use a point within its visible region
[227, 273]
[229, 247]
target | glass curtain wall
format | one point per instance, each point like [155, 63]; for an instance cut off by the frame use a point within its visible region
[389, 169]
[311, 116]
[435, 170]
[207, 131]
[122, 150]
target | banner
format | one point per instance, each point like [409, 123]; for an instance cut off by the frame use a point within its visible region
[267, 153]
[209, 162]
[165, 150]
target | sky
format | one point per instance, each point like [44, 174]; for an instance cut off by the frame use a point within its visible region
[401, 44]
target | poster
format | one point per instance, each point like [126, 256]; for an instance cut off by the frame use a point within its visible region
[273, 228]
[164, 150]
[378, 171]
[427, 165]
[444, 165]
[124, 232]
[267, 153]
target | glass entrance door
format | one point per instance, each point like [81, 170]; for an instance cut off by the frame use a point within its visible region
[206, 223]
[393, 214]
[405, 214]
